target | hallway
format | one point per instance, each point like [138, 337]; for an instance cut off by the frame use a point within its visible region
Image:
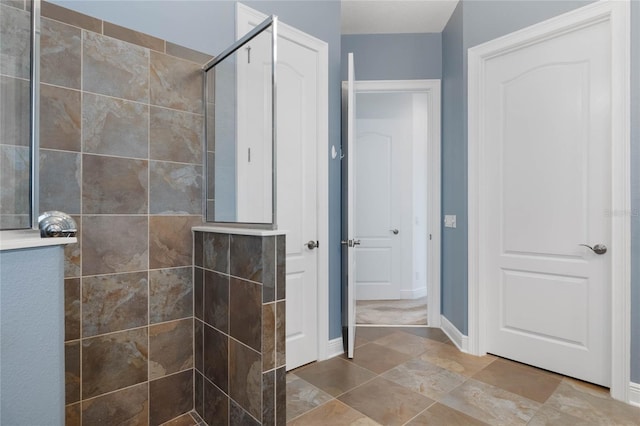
[415, 376]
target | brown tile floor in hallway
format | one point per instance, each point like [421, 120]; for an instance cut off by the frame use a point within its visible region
[415, 376]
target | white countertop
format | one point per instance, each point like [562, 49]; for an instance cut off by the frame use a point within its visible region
[13, 240]
[239, 231]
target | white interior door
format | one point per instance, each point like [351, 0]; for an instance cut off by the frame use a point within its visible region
[350, 234]
[547, 163]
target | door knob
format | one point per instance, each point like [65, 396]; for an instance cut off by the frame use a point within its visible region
[597, 249]
[395, 231]
[312, 244]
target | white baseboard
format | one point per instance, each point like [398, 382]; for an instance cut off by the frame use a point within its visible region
[634, 394]
[415, 293]
[335, 348]
[458, 339]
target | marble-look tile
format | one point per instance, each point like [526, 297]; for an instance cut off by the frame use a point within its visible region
[198, 345]
[216, 405]
[71, 309]
[333, 413]
[170, 348]
[268, 269]
[72, 415]
[72, 372]
[425, 378]
[269, 398]
[491, 404]
[521, 379]
[245, 312]
[216, 300]
[547, 416]
[114, 127]
[131, 36]
[170, 397]
[245, 377]
[114, 244]
[60, 54]
[183, 420]
[113, 185]
[281, 267]
[198, 293]
[170, 241]
[378, 358]
[239, 417]
[426, 332]
[60, 118]
[60, 175]
[175, 136]
[216, 364]
[18, 4]
[198, 250]
[115, 68]
[335, 376]
[281, 334]
[196, 417]
[72, 252]
[198, 396]
[439, 414]
[268, 336]
[186, 53]
[170, 294]
[373, 333]
[126, 407]
[113, 302]
[15, 49]
[246, 257]
[281, 396]
[114, 361]
[211, 172]
[216, 252]
[302, 396]
[14, 174]
[15, 105]
[450, 358]
[59, 13]
[406, 343]
[591, 403]
[386, 402]
[175, 188]
[175, 83]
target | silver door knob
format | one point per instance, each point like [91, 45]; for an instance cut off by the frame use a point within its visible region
[312, 244]
[395, 231]
[597, 249]
[356, 243]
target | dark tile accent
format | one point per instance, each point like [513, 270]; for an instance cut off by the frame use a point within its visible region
[15, 33]
[126, 407]
[281, 267]
[60, 118]
[131, 36]
[72, 372]
[170, 294]
[175, 188]
[186, 53]
[72, 252]
[50, 10]
[268, 398]
[60, 54]
[245, 312]
[14, 172]
[268, 269]
[216, 252]
[198, 288]
[245, 377]
[113, 362]
[15, 107]
[113, 302]
[60, 181]
[216, 300]
[170, 397]
[281, 396]
[281, 334]
[198, 397]
[239, 417]
[198, 341]
[216, 358]
[198, 250]
[246, 257]
[170, 348]
[115, 127]
[175, 136]
[170, 240]
[268, 336]
[216, 405]
[72, 415]
[175, 83]
[71, 309]
[115, 68]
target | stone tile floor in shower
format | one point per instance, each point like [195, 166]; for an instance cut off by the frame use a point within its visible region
[415, 376]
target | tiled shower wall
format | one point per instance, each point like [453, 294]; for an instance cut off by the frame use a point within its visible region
[121, 135]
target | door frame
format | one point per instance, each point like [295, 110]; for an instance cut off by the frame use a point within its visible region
[432, 88]
[617, 13]
[322, 170]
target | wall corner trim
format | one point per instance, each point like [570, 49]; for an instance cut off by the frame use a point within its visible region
[458, 339]
[634, 394]
[335, 348]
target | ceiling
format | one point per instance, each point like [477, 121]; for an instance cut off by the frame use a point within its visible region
[395, 16]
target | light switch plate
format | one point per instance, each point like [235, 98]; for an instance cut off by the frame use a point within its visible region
[450, 221]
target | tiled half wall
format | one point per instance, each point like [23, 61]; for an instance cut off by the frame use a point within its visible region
[240, 328]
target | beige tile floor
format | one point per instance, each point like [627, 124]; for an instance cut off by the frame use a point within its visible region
[415, 376]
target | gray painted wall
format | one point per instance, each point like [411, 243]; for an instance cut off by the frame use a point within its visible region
[32, 342]
[393, 56]
[475, 22]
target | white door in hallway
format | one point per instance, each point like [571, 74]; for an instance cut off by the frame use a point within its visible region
[545, 120]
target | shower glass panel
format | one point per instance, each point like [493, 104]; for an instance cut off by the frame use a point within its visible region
[19, 30]
[240, 131]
